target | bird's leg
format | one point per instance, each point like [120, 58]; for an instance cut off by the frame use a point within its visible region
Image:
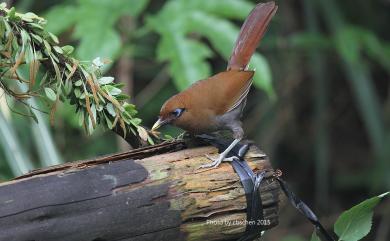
[217, 161]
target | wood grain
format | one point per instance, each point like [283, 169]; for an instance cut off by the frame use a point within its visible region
[155, 193]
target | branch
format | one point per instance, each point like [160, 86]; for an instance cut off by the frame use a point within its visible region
[152, 193]
[26, 45]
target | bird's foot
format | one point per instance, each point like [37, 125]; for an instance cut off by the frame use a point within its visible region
[217, 161]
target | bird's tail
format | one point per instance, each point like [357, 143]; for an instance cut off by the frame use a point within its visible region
[251, 32]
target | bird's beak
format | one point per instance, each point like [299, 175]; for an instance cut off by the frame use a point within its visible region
[158, 124]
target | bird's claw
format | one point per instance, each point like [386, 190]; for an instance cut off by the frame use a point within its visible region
[217, 161]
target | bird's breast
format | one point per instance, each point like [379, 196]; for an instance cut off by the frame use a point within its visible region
[207, 121]
[198, 121]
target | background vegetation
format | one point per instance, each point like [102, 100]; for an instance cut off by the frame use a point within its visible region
[320, 109]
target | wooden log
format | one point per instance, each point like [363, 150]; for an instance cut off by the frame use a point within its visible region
[153, 193]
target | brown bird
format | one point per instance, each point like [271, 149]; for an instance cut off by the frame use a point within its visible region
[217, 103]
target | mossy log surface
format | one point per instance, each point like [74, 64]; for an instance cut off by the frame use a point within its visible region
[152, 193]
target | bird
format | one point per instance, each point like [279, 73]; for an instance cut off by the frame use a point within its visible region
[217, 103]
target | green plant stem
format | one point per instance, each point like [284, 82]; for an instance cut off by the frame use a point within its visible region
[47, 151]
[364, 91]
[360, 81]
[17, 160]
[317, 64]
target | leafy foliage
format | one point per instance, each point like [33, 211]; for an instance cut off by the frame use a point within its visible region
[26, 44]
[93, 23]
[186, 54]
[20, 162]
[355, 223]
[352, 43]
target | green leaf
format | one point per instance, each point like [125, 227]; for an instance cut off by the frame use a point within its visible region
[68, 49]
[108, 121]
[25, 38]
[105, 43]
[53, 38]
[223, 35]
[227, 8]
[308, 40]
[110, 109]
[112, 90]
[98, 62]
[47, 46]
[37, 38]
[36, 27]
[105, 80]
[121, 97]
[130, 108]
[80, 115]
[347, 43]
[375, 48]
[77, 92]
[314, 237]
[27, 42]
[150, 140]
[187, 59]
[78, 82]
[262, 78]
[29, 17]
[95, 24]
[60, 18]
[68, 87]
[101, 98]
[50, 94]
[2, 30]
[58, 49]
[136, 121]
[82, 96]
[355, 223]
[12, 14]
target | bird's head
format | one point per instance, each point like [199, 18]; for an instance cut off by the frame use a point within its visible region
[173, 109]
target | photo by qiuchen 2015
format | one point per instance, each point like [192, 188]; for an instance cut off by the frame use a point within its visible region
[194, 120]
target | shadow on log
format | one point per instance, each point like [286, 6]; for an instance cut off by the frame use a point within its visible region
[152, 193]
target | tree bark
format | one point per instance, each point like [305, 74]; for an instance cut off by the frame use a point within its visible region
[152, 193]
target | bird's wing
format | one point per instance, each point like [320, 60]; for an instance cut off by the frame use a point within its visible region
[220, 93]
[228, 89]
[243, 95]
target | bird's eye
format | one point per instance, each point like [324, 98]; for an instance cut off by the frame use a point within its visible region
[177, 112]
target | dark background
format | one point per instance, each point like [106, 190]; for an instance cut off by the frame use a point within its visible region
[325, 124]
